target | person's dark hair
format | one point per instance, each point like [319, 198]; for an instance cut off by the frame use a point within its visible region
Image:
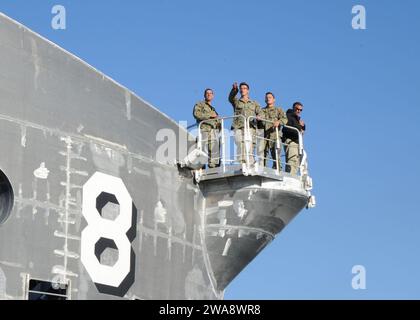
[205, 91]
[270, 93]
[297, 104]
[244, 84]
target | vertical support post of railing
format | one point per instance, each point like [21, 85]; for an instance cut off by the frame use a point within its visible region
[223, 147]
[300, 152]
[199, 138]
[303, 165]
[300, 143]
[278, 150]
[247, 135]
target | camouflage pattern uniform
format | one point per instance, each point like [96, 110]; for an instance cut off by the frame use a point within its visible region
[269, 133]
[246, 109]
[209, 131]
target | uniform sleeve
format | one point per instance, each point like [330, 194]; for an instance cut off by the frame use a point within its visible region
[232, 97]
[282, 117]
[258, 110]
[198, 112]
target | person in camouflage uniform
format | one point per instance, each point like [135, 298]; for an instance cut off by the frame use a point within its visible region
[204, 111]
[269, 133]
[245, 107]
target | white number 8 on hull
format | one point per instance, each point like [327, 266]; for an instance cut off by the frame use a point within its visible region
[99, 227]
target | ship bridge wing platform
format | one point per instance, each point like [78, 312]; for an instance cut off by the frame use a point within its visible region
[247, 198]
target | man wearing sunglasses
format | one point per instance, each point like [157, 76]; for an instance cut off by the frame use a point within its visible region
[291, 137]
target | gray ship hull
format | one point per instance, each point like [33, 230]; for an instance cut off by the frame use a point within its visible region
[63, 124]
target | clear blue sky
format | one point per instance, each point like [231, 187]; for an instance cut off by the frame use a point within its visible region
[361, 91]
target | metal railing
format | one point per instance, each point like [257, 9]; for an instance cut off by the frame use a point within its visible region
[228, 155]
[225, 138]
[260, 135]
